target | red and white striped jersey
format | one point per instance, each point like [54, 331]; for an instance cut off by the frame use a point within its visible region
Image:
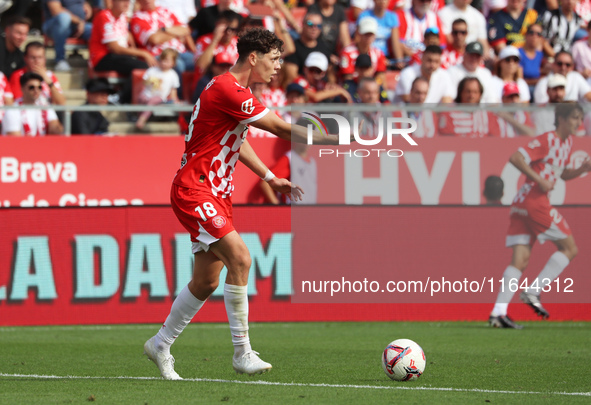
[218, 128]
[145, 23]
[412, 29]
[451, 57]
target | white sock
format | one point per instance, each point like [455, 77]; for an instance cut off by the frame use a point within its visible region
[236, 300]
[554, 266]
[505, 293]
[183, 309]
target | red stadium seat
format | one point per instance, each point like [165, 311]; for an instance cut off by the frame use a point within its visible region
[136, 84]
[392, 78]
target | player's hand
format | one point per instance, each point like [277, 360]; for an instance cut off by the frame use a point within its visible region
[546, 185]
[285, 186]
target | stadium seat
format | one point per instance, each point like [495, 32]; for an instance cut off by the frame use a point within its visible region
[73, 45]
[259, 10]
[136, 84]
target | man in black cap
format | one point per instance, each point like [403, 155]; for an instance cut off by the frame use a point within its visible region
[363, 69]
[93, 122]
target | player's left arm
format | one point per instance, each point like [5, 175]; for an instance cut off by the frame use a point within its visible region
[250, 159]
[569, 174]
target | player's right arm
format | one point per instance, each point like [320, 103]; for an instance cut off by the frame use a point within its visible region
[518, 160]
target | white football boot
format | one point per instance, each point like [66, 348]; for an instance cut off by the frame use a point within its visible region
[250, 363]
[164, 362]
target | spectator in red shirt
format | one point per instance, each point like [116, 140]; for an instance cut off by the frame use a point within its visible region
[156, 28]
[35, 62]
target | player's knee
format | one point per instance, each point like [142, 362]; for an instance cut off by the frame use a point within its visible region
[243, 261]
[204, 288]
[571, 251]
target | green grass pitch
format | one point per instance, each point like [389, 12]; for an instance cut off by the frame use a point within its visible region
[313, 363]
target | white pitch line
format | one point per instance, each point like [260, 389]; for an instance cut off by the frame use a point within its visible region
[272, 383]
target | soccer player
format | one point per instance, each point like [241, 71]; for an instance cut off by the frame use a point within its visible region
[201, 195]
[532, 217]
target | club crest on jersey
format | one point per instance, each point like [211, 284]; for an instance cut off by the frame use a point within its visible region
[218, 221]
[247, 106]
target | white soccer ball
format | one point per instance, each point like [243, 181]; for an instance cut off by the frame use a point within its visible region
[403, 360]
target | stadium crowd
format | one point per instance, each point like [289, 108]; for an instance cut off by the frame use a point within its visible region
[419, 52]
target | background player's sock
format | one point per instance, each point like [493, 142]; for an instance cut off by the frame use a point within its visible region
[183, 309]
[555, 265]
[236, 301]
[505, 294]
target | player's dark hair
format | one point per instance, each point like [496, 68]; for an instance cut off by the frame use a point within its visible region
[436, 49]
[30, 76]
[463, 84]
[565, 109]
[33, 45]
[493, 188]
[257, 40]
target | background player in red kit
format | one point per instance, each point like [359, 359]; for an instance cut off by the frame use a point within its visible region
[543, 160]
[201, 195]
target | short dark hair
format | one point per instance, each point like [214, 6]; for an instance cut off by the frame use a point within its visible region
[257, 40]
[459, 21]
[34, 45]
[565, 109]
[493, 188]
[15, 19]
[27, 76]
[463, 84]
[436, 49]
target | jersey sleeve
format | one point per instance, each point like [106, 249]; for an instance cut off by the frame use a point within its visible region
[15, 84]
[240, 104]
[347, 65]
[107, 31]
[141, 31]
[536, 149]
